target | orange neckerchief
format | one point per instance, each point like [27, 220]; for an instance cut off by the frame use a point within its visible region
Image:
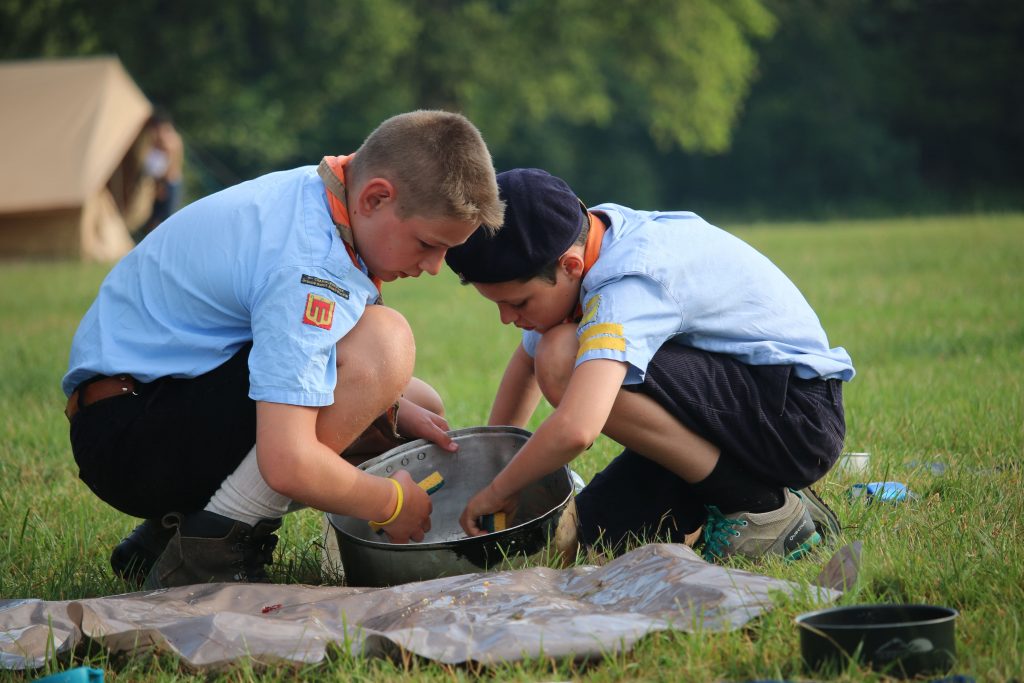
[332, 172]
[590, 253]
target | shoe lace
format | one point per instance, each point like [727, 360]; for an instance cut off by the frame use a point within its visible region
[718, 530]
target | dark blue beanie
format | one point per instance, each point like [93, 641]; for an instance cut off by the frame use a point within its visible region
[543, 217]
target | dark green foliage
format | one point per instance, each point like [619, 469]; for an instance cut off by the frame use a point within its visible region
[748, 108]
[875, 107]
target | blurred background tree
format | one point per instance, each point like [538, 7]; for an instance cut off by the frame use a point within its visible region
[735, 108]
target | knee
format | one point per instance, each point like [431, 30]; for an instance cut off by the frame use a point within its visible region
[380, 346]
[555, 361]
[424, 395]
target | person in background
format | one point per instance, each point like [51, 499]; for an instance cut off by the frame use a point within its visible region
[677, 340]
[238, 358]
[164, 163]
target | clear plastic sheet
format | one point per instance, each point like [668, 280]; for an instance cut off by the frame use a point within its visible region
[488, 617]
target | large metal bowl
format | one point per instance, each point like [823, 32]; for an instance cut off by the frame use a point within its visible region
[369, 559]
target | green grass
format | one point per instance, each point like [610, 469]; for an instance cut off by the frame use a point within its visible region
[932, 311]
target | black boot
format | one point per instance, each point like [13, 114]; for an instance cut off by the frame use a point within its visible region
[207, 547]
[135, 555]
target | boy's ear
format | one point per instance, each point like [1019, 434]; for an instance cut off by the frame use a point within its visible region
[374, 193]
[572, 264]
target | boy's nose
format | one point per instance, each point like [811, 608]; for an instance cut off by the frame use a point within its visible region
[432, 263]
[507, 315]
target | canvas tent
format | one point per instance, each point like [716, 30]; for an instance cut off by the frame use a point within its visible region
[70, 142]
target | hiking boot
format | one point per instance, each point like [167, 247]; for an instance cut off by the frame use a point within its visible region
[826, 523]
[134, 557]
[207, 547]
[788, 532]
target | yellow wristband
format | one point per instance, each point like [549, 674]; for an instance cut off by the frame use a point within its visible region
[398, 508]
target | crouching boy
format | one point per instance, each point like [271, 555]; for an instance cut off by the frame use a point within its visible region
[680, 342]
[232, 356]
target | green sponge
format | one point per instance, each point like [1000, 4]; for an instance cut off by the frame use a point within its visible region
[492, 523]
[432, 483]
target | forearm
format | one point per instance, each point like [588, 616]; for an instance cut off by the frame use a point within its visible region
[551, 446]
[325, 481]
[518, 394]
[295, 464]
[569, 430]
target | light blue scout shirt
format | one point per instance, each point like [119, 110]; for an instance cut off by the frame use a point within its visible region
[258, 262]
[672, 277]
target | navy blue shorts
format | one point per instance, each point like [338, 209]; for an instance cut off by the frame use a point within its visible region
[169, 446]
[781, 429]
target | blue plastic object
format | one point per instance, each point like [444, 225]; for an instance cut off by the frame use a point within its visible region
[82, 674]
[887, 491]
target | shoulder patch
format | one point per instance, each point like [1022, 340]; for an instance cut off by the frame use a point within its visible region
[325, 284]
[590, 311]
[319, 311]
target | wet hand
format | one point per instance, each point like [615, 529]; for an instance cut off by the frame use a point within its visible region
[486, 501]
[413, 520]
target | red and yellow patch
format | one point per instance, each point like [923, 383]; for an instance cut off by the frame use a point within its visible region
[319, 311]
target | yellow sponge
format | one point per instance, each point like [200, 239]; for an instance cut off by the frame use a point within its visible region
[492, 523]
[432, 483]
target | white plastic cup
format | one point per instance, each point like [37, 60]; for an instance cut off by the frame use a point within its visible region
[854, 463]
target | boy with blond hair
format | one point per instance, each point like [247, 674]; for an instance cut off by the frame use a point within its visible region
[680, 342]
[236, 352]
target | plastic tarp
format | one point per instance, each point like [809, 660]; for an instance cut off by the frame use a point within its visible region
[488, 617]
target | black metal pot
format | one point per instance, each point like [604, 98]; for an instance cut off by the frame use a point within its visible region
[370, 560]
[901, 640]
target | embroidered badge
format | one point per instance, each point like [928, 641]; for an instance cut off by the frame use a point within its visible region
[591, 310]
[319, 311]
[326, 284]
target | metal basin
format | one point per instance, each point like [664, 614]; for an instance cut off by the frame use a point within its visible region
[901, 640]
[370, 559]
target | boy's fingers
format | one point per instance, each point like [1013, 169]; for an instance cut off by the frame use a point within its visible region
[468, 524]
[447, 443]
[441, 438]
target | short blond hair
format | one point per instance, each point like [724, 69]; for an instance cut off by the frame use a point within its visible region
[439, 164]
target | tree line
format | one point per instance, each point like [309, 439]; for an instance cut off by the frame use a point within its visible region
[748, 108]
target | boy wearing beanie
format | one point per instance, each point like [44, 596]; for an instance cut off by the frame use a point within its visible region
[680, 342]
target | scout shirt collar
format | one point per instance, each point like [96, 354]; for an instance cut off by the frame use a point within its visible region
[595, 237]
[332, 172]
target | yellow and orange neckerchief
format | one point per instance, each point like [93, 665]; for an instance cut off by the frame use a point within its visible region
[590, 253]
[332, 172]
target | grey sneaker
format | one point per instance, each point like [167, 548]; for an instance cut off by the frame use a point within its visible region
[826, 523]
[133, 558]
[207, 547]
[788, 532]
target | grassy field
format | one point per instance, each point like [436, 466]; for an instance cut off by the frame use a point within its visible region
[932, 311]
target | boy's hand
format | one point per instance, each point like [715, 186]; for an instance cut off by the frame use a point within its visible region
[414, 519]
[486, 502]
[416, 422]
